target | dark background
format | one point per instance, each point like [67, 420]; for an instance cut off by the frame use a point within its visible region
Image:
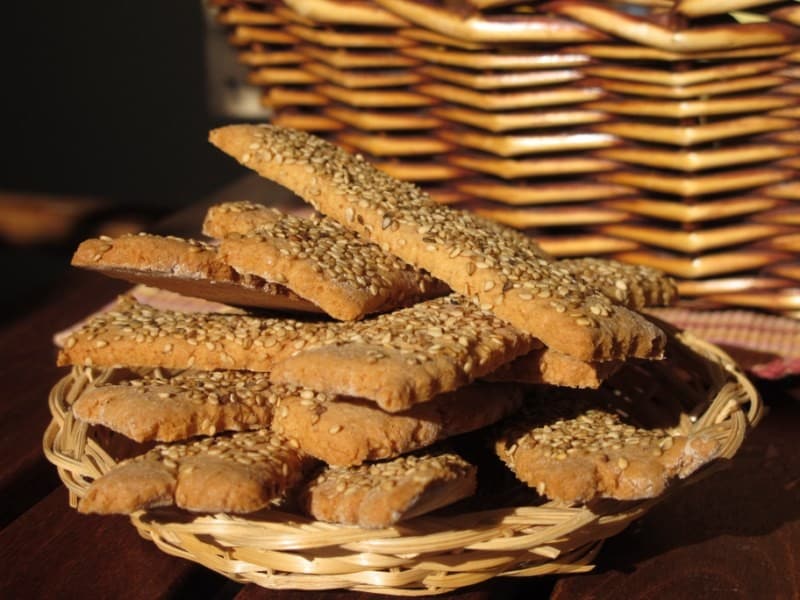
[108, 101]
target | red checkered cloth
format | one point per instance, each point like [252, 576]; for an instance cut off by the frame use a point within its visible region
[767, 346]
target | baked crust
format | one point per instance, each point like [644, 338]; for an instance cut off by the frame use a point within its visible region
[381, 494]
[188, 267]
[500, 269]
[241, 473]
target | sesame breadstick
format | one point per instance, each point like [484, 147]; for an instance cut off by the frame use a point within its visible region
[329, 266]
[167, 408]
[500, 269]
[633, 286]
[381, 494]
[241, 473]
[396, 359]
[188, 267]
[137, 335]
[348, 431]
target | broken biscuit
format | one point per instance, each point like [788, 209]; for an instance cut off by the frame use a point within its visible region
[238, 474]
[381, 494]
[329, 266]
[188, 267]
[573, 453]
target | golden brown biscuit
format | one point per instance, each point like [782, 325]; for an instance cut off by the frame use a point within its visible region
[241, 473]
[573, 452]
[137, 335]
[188, 267]
[318, 259]
[166, 408]
[396, 359]
[329, 266]
[634, 286]
[545, 366]
[500, 269]
[381, 494]
[349, 431]
[408, 356]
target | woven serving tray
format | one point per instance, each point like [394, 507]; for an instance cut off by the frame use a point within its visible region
[699, 389]
[659, 132]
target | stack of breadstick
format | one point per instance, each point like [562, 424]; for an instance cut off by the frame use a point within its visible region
[372, 333]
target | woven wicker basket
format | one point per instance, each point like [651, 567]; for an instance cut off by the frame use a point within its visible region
[660, 132]
[699, 390]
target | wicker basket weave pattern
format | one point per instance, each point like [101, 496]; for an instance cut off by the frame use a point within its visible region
[659, 132]
[699, 388]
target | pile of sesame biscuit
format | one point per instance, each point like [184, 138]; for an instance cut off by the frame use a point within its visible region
[371, 335]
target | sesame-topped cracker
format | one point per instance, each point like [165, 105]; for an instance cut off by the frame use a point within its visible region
[240, 473]
[574, 452]
[188, 267]
[349, 431]
[381, 494]
[323, 262]
[500, 269]
[550, 367]
[634, 286]
[408, 356]
[396, 359]
[242, 217]
[138, 335]
[163, 407]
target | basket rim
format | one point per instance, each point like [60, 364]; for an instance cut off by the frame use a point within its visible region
[430, 554]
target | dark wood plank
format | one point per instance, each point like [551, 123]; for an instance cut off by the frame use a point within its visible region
[735, 534]
[27, 372]
[52, 551]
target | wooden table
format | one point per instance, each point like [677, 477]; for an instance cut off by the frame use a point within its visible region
[734, 534]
